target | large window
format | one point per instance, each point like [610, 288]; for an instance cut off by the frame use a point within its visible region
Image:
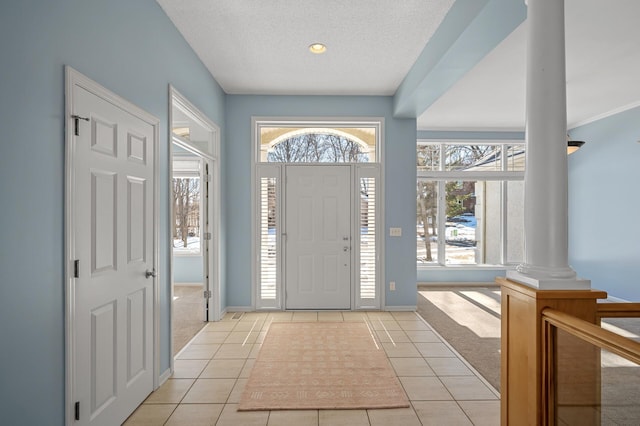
[469, 203]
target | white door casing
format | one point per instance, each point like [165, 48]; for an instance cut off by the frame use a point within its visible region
[207, 148]
[318, 237]
[112, 232]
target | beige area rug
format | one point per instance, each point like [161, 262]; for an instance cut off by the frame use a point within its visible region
[320, 365]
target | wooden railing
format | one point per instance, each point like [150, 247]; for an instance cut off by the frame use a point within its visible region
[556, 358]
[618, 310]
[596, 335]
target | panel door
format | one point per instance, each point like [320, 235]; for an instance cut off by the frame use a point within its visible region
[114, 232]
[318, 237]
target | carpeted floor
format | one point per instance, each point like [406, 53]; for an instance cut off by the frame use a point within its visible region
[187, 314]
[469, 319]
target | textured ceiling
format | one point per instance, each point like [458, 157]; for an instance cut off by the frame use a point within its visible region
[261, 47]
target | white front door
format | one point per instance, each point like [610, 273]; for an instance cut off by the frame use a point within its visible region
[318, 237]
[113, 228]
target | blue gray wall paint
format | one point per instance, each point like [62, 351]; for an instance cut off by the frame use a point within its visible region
[400, 174]
[131, 48]
[187, 269]
[604, 206]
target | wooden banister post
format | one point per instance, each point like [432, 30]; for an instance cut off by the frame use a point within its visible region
[523, 396]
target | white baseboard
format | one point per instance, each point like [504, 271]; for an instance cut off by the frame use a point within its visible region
[187, 284]
[164, 376]
[458, 284]
[616, 300]
[400, 308]
[238, 309]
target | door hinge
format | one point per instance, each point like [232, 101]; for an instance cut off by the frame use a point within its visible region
[76, 268]
[207, 294]
[207, 235]
[77, 410]
[76, 124]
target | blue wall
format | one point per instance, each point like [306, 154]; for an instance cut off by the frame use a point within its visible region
[400, 175]
[131, 48]
[604, 236]
[187, 269]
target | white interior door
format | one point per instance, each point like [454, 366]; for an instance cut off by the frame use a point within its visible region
[318, 237]
[114, 247]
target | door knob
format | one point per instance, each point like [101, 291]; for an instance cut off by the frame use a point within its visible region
[149, 274]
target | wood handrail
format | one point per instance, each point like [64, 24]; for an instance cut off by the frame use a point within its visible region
[594, 334]
[618, 310]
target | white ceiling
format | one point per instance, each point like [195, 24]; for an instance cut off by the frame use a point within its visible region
[603, 73]
[261, 47]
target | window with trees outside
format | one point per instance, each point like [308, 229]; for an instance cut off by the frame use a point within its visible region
[186, 206]
[470, 203]
[282, 143]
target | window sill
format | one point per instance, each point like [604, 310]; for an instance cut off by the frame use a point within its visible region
[466, 267]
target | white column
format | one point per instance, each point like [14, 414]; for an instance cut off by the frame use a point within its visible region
[546, 183]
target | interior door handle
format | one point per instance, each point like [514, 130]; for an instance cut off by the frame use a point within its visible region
[149, 274]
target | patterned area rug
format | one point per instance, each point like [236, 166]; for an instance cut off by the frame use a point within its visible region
[320, 365]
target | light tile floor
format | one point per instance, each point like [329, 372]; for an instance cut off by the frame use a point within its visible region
[211, 371]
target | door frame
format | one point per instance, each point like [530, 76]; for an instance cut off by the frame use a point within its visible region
[276, 171]
[73, 80]
[176, 99]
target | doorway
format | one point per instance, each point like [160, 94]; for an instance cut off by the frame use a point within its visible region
[194, 221]
[189, 200]
[318, 237]
[294, 161]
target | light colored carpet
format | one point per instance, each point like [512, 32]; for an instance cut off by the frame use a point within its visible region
[469, 319]
[187, 316]
[319, 365]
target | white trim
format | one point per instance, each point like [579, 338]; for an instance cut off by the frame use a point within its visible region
[165, 376]
[457, 284]
[75, 79]
[403, 308]
[177, 100]
[315, 122]
[604, 115]
[245, 309]
[474, 141]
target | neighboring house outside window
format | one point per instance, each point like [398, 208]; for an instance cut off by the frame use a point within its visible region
[469, 203]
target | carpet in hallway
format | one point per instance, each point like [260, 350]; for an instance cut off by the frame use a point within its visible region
[468, 318]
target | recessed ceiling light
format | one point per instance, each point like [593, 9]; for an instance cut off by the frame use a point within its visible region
[317, 48]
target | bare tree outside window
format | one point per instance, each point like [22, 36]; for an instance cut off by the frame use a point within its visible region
[317, 148]
[459, 197]
[186, 220]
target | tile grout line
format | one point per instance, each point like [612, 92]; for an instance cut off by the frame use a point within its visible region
[461, 358]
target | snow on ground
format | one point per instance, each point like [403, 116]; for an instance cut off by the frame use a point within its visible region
[193, 246]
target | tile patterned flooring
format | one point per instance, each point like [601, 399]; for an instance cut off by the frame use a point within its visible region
[210, 374]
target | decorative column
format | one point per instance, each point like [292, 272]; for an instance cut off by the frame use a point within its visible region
[546, 182]
[545, 279]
